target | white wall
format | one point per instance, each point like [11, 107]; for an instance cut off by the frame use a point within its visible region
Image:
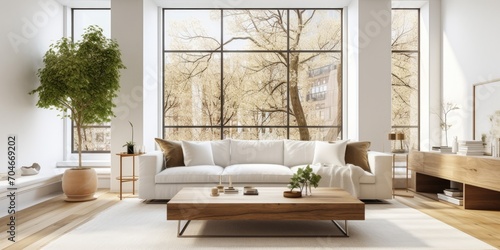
[134, 24]
[369, 72]
[152, 92]
[430, 74]
[27, 29]
[470, 55]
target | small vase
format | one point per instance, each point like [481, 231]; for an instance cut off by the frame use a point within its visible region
[307, 189]
[454, 146]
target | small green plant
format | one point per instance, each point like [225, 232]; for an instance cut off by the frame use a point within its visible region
[130, 143]
[304, 178]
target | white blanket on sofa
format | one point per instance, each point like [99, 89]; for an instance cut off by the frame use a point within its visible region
[345, 177]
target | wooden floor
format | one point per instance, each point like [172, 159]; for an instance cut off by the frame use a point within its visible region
[38, 225]
[483, 225]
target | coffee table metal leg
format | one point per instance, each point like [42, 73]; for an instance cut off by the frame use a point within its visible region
[179, 231]
[344, 230]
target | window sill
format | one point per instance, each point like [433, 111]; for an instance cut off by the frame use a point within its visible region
[92, 164]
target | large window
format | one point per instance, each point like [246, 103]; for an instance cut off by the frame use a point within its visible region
[405, 74]
[252, 74]
[96, 137]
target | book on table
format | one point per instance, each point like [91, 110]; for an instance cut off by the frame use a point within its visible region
[445, 149]
[453, 192]
[470, 148]
[454, 200]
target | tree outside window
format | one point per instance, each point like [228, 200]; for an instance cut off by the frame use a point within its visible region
[252, 74]
[405, 74]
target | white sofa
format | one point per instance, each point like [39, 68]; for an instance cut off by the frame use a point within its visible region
[253, 163]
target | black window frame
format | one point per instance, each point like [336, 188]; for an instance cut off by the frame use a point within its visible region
[417, 52]
[222, 50]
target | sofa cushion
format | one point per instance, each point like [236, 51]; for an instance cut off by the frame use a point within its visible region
[356, 153]
[298, 152]
[192, 174]
[197, 153]
[257, 173]
[221, 150]
[330, 153]
[172, 153]
[257, 151]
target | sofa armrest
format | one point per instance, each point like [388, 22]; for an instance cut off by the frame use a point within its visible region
[380, 163]
[150, 164]
[381, 167]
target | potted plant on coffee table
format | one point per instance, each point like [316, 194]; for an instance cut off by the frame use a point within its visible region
[81, 79]
[303, 180]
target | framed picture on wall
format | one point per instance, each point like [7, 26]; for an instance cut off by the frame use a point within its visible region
[486, 112]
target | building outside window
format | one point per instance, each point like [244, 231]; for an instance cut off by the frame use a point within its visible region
[406, 74]
[252, 74]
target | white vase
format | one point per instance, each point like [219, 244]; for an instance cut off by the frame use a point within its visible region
[454, 146]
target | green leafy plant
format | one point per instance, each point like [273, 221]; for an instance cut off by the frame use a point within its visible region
[81, 80]
[304, 178]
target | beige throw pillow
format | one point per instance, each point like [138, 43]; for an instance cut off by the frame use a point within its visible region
[356, 153]
[172, 153]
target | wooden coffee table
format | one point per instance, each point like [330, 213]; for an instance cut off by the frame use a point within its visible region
[324, 204]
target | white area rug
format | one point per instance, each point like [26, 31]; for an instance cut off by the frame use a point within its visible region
[132, 224]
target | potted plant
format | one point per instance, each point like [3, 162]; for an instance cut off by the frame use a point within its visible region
[303, 180]
[81, 79]
[130, 144]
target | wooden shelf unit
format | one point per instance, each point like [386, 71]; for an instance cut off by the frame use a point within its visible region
[133, 178]
[478, 175]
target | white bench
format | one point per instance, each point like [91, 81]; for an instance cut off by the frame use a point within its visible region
[30, 190]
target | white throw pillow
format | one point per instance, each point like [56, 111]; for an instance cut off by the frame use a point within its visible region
[330, 153]
[298, 152]
[220, 150]
[256, 151]
[197, 153]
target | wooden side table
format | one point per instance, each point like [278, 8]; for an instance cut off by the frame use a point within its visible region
[132, 178]
[394, 165]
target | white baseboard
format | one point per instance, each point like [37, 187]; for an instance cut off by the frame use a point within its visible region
[103, 177]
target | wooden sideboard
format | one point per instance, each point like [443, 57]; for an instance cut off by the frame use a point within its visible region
[478, 175]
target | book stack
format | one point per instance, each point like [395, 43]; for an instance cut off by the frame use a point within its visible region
[445, 149]
[442, 149]
[470, 148]
[452, 195]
